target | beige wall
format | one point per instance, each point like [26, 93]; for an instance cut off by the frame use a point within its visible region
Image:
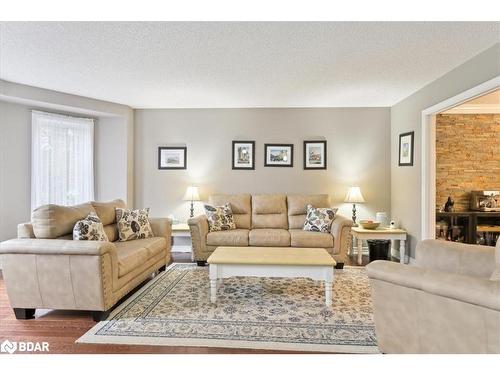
[111, 148]
[467, 156]
[15, 191]
[407, 116]
[358, 154]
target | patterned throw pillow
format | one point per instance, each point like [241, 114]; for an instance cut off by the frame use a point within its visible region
[319, 219]
[133, 224]
[219, 217]
[89, 229]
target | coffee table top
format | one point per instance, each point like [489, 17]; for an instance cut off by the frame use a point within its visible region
[304, 256]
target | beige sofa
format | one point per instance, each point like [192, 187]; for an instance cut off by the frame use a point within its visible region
[448, 303]
[270, 220]
[45, 268]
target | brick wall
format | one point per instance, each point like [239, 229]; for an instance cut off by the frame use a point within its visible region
[467, 156]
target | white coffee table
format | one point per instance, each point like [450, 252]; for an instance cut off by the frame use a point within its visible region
[314, 263]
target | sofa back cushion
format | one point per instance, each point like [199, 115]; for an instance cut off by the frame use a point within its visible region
[240, 205]
[111, 231]
[297, 207]
[269, 211]
[106, 210]
[53, 221]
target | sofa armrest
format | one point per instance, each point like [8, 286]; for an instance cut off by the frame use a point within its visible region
[162, 227]
[56, 247]
[473, 290]
[198, 226]
[464, 259]
[341, 231]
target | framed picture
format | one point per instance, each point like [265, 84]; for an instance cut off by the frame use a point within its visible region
[406, 149]
[314, 154]
[278, 155]
[172, 157]
[243, 155]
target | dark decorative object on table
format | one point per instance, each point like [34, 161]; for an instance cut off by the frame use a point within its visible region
[448, 206]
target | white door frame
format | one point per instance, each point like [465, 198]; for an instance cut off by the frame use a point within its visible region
[429, 150]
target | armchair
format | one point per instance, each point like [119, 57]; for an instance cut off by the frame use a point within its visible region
[448, 303]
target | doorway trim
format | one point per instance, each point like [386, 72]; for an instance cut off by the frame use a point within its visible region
[429, 150]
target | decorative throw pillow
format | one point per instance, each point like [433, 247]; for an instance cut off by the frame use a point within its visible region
[89, 229]
[319, 219]
[219, 217]
[133, 224]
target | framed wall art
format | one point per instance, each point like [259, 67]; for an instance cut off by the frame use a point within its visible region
[243, 155]
[278, 155]
[315, 155]
[172, 157]
[406, 149]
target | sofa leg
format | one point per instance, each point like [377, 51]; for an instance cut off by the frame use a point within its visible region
[201, 263]
[98, 316]
[162, 268]
[23, 314]
[339, 266]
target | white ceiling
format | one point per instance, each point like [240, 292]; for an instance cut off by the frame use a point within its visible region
[252, 64]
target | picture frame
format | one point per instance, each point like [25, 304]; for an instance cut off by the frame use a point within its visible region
[172, 157]
[315, 155]
[243, 155]
[406, 146]
[278, 155]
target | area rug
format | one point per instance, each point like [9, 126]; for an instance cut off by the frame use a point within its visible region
[174, 309]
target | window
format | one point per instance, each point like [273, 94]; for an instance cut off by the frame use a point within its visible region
[62, 159]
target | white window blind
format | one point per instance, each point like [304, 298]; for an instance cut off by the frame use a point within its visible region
[62, 159]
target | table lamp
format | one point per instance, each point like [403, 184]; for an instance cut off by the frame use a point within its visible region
[354, 196]
[192, 196]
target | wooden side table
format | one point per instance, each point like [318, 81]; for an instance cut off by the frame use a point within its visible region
[181, 237]
[361, 234]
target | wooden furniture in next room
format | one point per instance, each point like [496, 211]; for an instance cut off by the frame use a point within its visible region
[314, 263]
[361, 234]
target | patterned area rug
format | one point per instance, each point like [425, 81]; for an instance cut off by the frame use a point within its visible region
[174, 309]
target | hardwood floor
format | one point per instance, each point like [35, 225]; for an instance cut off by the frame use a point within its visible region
[61, 328]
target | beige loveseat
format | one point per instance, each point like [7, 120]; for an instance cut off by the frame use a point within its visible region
[448, 303]
[45, 268]
[270, 220]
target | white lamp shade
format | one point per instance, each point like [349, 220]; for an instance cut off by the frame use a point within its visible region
[354, 195]
[191, 194]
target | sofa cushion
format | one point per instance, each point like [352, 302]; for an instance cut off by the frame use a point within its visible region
[269, 237]
[302, 238]
[269, 211]
[240, 205]
[53, 221]
[111, 231]
[133, 224]
[107, 210]
[133, 254]
[319, 219]
[234, 237]
[219, 217]
[297, 207]
[89, 229]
